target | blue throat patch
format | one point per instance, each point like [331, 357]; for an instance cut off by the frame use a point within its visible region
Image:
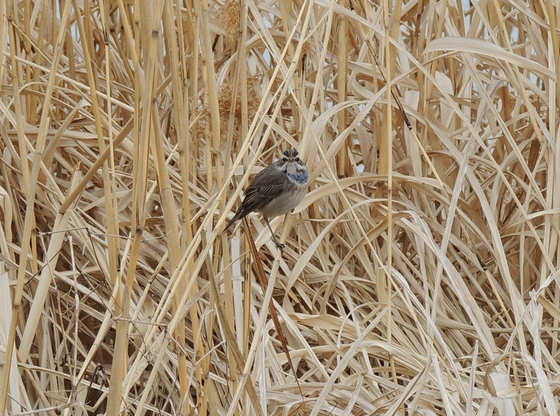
[300, 178]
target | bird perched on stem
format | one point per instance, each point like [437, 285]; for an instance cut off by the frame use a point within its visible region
[276, 190]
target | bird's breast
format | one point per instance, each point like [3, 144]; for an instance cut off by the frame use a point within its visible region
[285, 202]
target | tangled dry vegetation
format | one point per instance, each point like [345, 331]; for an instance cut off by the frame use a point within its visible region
[420, 272]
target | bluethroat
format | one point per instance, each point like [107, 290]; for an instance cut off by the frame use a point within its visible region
[276, 190]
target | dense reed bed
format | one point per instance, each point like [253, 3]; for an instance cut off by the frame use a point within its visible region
[420, 274]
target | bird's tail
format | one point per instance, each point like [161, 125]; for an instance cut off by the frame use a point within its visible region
[238, 215]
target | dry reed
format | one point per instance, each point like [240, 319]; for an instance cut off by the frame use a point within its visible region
[420, 272]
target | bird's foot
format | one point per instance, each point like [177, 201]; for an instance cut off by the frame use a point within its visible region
[278, 243]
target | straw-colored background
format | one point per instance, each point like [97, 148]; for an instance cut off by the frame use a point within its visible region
[420, 272]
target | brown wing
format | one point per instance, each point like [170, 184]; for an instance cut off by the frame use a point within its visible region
[258, 197]
[266, 186]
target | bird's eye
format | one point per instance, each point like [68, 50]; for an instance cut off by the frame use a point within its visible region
[284, 159]
[298, 159]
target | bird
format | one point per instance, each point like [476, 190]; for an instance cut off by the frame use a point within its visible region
[276, 190]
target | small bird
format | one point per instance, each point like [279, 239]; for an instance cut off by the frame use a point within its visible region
[276, 190]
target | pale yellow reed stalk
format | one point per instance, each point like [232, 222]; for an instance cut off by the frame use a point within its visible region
[419, 275]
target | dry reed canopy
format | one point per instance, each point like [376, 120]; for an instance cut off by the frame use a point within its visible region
[420, 272]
